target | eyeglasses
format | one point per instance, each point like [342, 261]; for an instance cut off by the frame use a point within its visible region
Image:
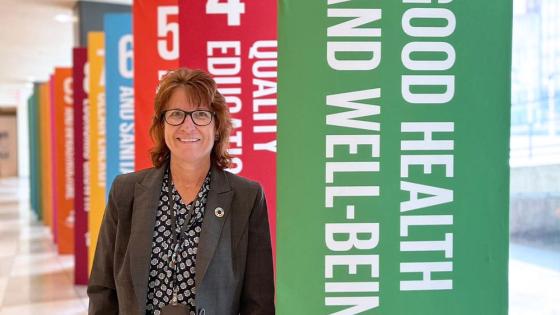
[176, 117]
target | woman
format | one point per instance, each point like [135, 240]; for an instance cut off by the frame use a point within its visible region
[184, 237]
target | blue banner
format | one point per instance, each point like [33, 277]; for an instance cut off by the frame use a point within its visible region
[120, 95]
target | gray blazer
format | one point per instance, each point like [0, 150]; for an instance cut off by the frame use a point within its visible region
[234, 258]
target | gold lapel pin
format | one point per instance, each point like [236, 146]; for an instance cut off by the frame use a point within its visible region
[219, 212]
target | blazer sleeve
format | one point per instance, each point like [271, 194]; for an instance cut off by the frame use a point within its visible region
[257, 296]
[101, 288]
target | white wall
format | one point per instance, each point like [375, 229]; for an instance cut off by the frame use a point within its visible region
[16, 95]
[23, 132]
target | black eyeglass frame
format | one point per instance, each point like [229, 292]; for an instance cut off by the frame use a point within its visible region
[187, 113]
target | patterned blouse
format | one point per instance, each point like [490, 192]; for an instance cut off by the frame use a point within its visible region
[161, 278]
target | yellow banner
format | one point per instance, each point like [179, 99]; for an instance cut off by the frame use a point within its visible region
[96, 58]
[46, 153]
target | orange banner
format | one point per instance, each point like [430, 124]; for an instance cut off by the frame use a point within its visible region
[64, 161]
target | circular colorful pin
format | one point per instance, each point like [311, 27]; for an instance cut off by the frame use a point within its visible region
[219, 212]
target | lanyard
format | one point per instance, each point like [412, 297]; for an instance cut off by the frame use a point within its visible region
[176, 238]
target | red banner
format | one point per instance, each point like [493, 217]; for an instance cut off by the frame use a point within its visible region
[79, 87]
[235, 41]
[156, 34]
[63, 151]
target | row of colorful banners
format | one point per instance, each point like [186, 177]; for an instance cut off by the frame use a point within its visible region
[93, 119]
[394, 126]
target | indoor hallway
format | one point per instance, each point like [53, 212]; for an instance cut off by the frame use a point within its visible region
[34, 279]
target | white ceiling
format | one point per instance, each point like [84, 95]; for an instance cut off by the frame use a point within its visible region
[33, 43]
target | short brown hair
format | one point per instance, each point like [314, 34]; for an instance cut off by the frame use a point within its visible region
[201, 90]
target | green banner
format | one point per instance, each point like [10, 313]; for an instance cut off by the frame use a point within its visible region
[34, 152]
[393, 145]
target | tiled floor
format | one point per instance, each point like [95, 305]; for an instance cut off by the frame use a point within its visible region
[34, 280]
[534, 281]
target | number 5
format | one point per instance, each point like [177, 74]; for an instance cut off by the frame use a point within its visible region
[165, 27]
[232, 8]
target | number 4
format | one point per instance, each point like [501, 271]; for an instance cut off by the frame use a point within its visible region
[233, 9]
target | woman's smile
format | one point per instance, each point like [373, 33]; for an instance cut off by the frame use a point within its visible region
[188, 139]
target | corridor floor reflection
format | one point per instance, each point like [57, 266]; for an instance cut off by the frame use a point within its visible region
[34, 279]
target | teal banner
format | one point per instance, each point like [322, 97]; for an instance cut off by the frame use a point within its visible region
[34, 152]
[393, 145]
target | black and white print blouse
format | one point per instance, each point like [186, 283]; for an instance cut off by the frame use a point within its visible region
[160, 291]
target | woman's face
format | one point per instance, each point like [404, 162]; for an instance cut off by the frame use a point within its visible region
[188, 142]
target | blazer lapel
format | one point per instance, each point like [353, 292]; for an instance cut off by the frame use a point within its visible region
[220, 195]
[146, 196]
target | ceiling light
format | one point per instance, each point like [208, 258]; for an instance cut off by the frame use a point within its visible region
[64, 18]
